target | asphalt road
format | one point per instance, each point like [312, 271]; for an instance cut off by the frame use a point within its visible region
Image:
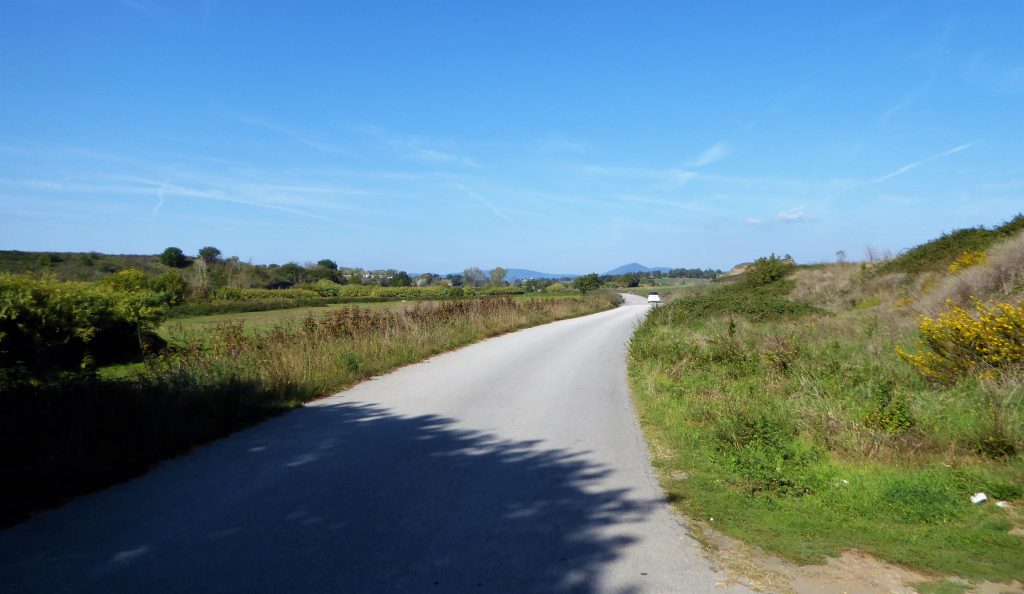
[513, 465]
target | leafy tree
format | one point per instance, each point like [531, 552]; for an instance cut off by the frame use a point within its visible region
[292, 272]
[173, 257]
[401, 280]
[455, 279]
[587, 282]
[631, 279]
[498, 276]
[328, 264]
[555, 287]
[170, 286]
[473, 277]
[209, 254]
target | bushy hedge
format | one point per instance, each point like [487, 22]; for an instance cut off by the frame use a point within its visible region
[49, 326]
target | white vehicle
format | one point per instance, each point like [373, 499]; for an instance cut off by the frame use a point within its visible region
[653, 298]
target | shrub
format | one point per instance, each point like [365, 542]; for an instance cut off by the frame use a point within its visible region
[757, 305]
[938, 254]
[956, 343]
[765, 271]
[888, 412]
[966, 260]
[48, 326]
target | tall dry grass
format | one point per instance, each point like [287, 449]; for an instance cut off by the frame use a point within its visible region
[71, 437]
[293, 363]
[1001, 277]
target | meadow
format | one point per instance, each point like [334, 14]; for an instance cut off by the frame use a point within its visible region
[843, 407]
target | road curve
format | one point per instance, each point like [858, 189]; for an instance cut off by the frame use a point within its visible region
[513, 465]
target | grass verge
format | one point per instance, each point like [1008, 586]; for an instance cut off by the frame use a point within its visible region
[801, 432]
[66, 438]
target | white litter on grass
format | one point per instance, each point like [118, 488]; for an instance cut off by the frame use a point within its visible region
[979, 498]
[1002, 505]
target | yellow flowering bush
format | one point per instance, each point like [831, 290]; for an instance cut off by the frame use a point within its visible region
[968, 259]
[959, 343]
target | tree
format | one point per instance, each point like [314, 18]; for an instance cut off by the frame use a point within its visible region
[328, 264]
[174, 257]
[401, 280]
[292, 272]
[587, 282]
[498, 276]
[170, 286]
[630, 279]
[209, 254]
[473, 277]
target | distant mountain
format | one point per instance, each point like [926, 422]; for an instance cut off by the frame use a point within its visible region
[514, 274]
[634, 267]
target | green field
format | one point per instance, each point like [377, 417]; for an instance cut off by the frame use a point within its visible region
[179, 329]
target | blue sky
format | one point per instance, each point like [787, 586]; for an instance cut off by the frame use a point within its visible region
[557, 136]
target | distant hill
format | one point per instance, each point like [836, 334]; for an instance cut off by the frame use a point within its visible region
[634, 267]
[515, 274]
[939, 253]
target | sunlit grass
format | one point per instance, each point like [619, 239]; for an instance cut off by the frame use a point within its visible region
[806, 435]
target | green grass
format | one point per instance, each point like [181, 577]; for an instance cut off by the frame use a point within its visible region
[941, 587]
[804, 434]
[179, 329]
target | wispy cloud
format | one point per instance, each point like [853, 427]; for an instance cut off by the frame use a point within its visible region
[160, 198]
[916, 164]
[297, 136]
[712, 154]
[488, 204]
[753, 221]
[419, 148]
[796, 215]
[659, 202]
[557, 144]
[672, 175]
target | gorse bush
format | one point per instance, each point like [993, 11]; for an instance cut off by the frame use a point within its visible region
[966, 260]
[956, 343]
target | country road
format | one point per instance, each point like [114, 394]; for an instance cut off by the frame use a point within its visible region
[513, 465]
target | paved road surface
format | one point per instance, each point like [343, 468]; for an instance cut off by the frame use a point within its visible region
[514, 465]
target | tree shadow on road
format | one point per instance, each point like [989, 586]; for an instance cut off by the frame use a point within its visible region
[341, 498]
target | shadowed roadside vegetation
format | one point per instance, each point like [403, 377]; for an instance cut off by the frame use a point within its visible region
[61, 438]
